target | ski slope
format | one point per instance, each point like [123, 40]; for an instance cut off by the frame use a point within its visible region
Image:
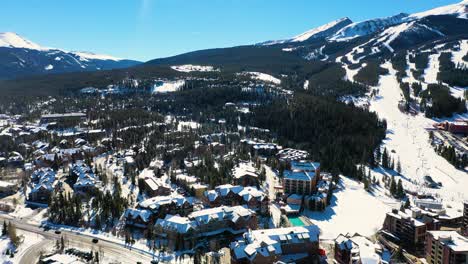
[353, 210]
[406, 135]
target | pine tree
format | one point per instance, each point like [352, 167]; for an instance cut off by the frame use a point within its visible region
[400, 191]
[385, 160]
[378, 155]
[393, 187]
[5, 229]
[398, 168]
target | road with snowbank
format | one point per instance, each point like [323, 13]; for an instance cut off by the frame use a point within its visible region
[111, 249]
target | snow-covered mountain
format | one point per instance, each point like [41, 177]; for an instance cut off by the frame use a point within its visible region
[315, 33]
[22, 57]
[459, 10]
[367, 27]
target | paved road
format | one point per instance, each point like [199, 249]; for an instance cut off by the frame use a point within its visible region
[31, 255]
[271, 180]
[110, 249]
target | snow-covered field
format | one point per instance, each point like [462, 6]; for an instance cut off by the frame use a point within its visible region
[407, 136]
[353, 210]
[187, 125]
[29, 240]
[262, 77]
[168, 86]
[193, 68]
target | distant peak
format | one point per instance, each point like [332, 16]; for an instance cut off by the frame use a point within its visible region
[13, 40]
[93, 56]
[313, 32]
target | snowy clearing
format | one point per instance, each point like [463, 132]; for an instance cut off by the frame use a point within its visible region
[350, 212]
[193, 68]
[168, 86]
[262, 77]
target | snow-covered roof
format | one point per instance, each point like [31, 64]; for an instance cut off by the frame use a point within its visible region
[299, 175]
[43, 179]
[243, 169]
[305, 165]
[451, 239]
[86, 176]
[176, 223]
[269, 242]
[143, 214]
[292, 154]
[155, 202]
[204, 217]
[247, 193]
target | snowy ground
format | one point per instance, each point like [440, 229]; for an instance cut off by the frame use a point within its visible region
[457, 56]
[353, 210]
[407, 136]
[29, 240]
[430, 73]
[263, 77]
[193, 68]
[187, 125]
[168, 86]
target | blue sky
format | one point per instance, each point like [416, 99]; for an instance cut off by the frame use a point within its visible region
[147, 29]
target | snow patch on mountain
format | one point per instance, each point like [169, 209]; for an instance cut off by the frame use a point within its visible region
[321, 31]
[457, 55]
[13, 40]
[86, 56]
[48, 67]
[460, 10]
[392, 33]
[308, 34]
[430, 73]
[262, 77]
[366, 27]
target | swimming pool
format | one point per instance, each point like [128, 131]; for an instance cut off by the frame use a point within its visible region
[295, 221]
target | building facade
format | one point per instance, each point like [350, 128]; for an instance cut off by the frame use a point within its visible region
[446, 247]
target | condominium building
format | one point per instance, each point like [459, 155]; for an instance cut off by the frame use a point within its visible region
[302, 178]
[218, 225]
[410, 227]
[298, 244]
[446, 247]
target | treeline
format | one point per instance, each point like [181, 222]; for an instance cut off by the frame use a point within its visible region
[331, 82]
[370, 74]
[108, 207]
[400, 64]
[438, 102]
[65, 209]
[459, 161]
[451, 74]
[421, 60]
[338, 135]
[208, 172]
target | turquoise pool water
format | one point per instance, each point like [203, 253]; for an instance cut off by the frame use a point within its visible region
[296, 221]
